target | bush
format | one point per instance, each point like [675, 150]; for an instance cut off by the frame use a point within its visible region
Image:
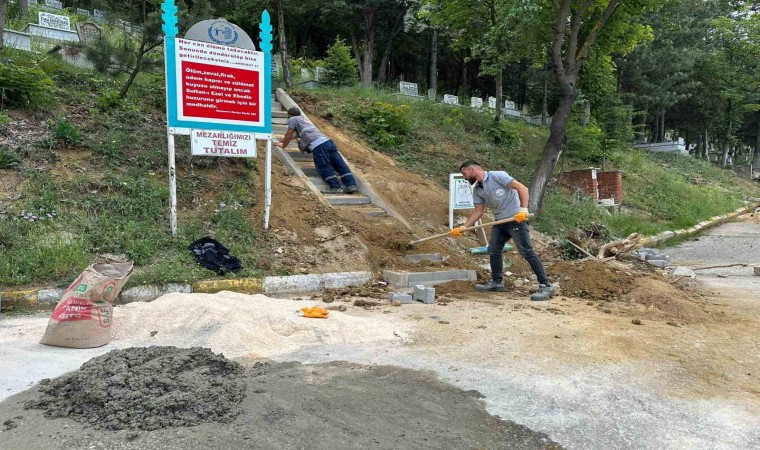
[8, 159]
[386, 124]
[585, 142]
[341, 67]
[504, 133]
[65, 132]
[107, 100]
[23, 87]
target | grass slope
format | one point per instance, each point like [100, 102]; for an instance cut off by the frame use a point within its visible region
[665, 191]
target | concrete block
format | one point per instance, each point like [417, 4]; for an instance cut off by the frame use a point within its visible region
[396, 279]
[338, 280]
[431, 257]
[150, 293]
[48, 298]
[424, 294]
[659, 262]
[400, 297]
[657, 257]
[243, 285]
[292, 284]
[408, 279]
[25, 300]
[666, 235]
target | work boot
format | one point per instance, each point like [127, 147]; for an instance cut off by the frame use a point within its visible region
[349, 189]
[491, 286]
[545, 291]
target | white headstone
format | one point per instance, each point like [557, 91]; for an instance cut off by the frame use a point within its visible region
[306, 74]
[99, 14]
[276, 64]
[321, 74]
[492, 102]
[31, 2]
[450, 99]
[83, 12]
[54, 4]
[408, 88]
[476, 102]
[54, 21]
[509, 104]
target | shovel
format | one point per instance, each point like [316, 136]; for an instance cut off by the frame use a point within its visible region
[438, 236]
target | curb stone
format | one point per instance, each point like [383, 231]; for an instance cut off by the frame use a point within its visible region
[47, 299]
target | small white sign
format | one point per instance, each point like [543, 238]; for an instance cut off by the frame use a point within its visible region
[223, 143]
[450, 99]
[54, 21]
[460, 192]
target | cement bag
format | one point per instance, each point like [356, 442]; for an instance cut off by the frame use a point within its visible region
[84, 315]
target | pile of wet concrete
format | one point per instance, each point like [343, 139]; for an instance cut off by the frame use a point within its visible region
[147, 389]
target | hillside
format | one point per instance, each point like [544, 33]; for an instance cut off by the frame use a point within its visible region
[83, 175]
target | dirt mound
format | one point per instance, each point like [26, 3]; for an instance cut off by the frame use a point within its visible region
[146, 388]
[656, 299]
[592, 280]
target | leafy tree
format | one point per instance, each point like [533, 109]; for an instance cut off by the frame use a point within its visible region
[341, 67]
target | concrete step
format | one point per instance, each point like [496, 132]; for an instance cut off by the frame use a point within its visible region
[279, 114]
[276, 106]
[341, 199]
[397, 279]
[279, 120]
[310, 171]
[425, 257]
[298, 156]
[368, 210]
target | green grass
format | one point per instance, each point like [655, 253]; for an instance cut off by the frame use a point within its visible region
[672, 191]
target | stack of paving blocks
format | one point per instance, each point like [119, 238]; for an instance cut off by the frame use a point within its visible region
[420, 294]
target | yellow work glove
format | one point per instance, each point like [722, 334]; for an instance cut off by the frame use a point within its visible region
[315, 312]
[521, 216]
[457, 232]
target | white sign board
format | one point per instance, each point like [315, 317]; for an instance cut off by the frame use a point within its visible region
[223, 143]
[460, 195]
[54, 4]
[408, 88]
[476, 102]
[450, 99]
[54, 21]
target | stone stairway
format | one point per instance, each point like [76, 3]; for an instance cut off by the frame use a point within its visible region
[302, 165]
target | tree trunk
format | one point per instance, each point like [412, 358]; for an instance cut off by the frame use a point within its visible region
[398, 25]
[283, 45]
[369, 15]
[706, 147]
[656, 127]
[434, 67]
[726, 152]
[499, 94]
[756, 159]
[552, 151]
[357, 54]
[662, 125]
[545, 104]
[3, 4]
[23, 6]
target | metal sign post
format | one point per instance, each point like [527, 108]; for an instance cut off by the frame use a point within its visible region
[218, 90]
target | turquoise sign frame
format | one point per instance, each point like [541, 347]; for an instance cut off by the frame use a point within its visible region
[169, 16]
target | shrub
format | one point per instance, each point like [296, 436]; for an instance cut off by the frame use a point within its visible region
[585, 142]
[23, 87]
[8, 159]
[386, 124]
[107, 100]
[341, 67]
[503, 133]
[65, 132]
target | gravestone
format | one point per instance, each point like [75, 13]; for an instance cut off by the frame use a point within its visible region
[476, 102]
[99, 14]
[276, 64]
[408, 88]
[54, 21]
[509, 104]
[450, 99]
[31, 2]
[321, 74]
[306, 74]
[126, 25]
[83, 12]
[492, 102]
[53, 4]
[89, 32]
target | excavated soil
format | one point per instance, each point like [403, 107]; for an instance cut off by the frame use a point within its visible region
[146, 388]
[592, 280]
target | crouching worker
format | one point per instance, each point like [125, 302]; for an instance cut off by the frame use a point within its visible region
[330, 164]
[506, 197]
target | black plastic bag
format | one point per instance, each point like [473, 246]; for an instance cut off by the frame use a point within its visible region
[212, 255]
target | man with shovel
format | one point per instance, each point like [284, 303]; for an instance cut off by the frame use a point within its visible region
[507, 198]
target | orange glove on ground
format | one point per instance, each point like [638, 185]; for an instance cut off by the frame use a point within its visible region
[315, 312]
[521, 216]
[457, 232]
